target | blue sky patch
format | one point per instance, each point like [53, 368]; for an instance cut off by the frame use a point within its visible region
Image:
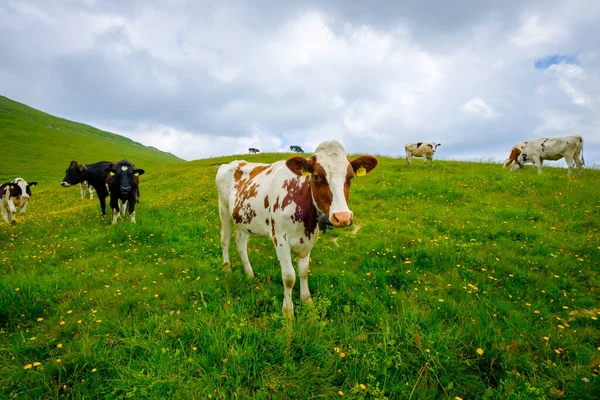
[546, 62]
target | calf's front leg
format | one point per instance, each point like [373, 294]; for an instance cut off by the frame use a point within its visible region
[288, 276]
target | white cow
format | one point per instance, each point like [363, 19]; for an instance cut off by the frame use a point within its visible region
[15, 195]
[421, 149]
[536, 151]
[286, 201]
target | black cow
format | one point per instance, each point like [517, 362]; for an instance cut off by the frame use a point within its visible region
[15, 195]
[123, 184]
[253, 150]
[95, 174]
[296, 149]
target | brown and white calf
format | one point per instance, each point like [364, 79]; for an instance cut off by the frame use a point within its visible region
[15, 195]
[514, 153]
[536, 151]
[421, 149]
[83, 186]
[284, 201]
[123, 185]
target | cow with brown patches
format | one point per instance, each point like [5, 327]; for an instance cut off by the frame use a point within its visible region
[285, 201]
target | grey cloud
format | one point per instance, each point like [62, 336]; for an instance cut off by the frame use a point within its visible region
[372, 74]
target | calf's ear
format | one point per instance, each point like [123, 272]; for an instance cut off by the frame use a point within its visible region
[300, 165]
[139, 172]
[80, 166]
[32, 183]
[364, 164]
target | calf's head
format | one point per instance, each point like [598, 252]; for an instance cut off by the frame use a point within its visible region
[123, 175]
[75, 174]
[20, 187]
[331, 173]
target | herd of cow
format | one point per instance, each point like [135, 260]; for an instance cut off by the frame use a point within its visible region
[289, 201]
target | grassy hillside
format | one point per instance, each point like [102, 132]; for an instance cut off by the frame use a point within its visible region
[38, 146]
[463, 281]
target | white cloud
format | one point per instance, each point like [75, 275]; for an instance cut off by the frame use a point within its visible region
[479, 108]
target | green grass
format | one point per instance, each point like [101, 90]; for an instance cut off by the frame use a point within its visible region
[41, 146]
[448, 260]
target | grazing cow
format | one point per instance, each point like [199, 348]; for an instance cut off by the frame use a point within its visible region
[421, 149]
[83, 186]
[536, 151]
[15, 195]
[296, 149]
[287, 202]
[123, 184]
[95, 175]
[253, 150]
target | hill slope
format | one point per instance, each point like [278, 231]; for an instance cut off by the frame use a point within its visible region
[39, 146]
[464, 281]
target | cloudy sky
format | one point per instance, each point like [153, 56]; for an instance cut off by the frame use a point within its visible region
[208, 78]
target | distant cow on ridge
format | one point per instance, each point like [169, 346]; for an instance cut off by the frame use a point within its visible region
[253, 150]
[421, 149]
[296, 149]
[123, 184]
[95, 174]
[13, 195]
[285, 201]
[536, 151]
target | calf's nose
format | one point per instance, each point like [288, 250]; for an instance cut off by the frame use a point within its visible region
[25, 196]
[343, 218]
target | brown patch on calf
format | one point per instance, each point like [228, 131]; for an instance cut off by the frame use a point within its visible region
[242, 212]
[258, 170]
[320, 189]
[273, 231]
[266, 201]
[298, 191]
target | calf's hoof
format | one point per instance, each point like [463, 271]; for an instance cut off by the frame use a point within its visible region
[227, 268]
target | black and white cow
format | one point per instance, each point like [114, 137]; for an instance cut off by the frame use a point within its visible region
[95, 175]
[123, 184]
[421, 149]
[83, 186]
[15, 195]
[253, 150]
[296, 149]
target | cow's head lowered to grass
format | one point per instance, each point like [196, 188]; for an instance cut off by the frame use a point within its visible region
[331, 173]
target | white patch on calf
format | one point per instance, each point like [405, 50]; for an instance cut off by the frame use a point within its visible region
[124, 168]
[115, 216]
[334, 160]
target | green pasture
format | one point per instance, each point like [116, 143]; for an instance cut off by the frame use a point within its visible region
[461, 280]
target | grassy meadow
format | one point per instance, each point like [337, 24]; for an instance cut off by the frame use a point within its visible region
[457, 281]
[35, 142]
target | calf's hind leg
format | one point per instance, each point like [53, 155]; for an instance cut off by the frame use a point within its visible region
[241, 241]
[226, 223]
